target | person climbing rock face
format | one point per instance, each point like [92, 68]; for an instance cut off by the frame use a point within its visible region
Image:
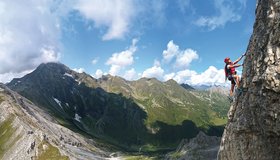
[230, 73]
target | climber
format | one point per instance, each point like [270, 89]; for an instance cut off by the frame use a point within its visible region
[230, 73]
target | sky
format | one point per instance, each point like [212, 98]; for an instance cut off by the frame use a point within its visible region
[184, 40]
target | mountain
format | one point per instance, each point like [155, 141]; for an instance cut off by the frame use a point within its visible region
[28, 132]
[168, 98]
[201, 87]
[186, 86]
[79, 104]
[253, 130]
[147, 113]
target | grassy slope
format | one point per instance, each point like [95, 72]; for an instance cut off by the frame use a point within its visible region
[170, 103]
[169, 106]
[49, 152]
[6, 136]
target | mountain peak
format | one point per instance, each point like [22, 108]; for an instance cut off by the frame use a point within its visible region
[171, 81]
[45, 72]
[149, 79]
[52, 66]
[111, 77]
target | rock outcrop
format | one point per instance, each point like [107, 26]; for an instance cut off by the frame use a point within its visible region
[253, 129]
[200, 147]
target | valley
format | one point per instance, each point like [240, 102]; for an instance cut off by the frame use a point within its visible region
[146, 116]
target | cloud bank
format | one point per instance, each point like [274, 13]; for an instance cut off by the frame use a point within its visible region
[29, 35]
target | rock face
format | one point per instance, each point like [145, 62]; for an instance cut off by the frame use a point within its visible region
[253, 129]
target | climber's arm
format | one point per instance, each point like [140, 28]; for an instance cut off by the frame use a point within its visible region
[239, 59]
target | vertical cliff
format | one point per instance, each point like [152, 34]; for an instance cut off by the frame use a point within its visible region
[253, 129]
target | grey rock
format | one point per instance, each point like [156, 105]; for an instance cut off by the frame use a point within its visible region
[202, 147]
[253, 130]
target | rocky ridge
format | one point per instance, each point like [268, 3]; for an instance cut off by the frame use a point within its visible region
[253, 129]
[27, 132]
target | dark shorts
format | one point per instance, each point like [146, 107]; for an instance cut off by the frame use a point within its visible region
[230, 78]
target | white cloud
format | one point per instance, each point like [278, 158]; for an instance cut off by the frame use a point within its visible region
[168, 76]
[29, 35]
[49, 54]
[130, 74]
[114, 14]
[211, 76]
[183, 57]
[171, 51]
[98, 73]
[79, 70]
[95, 60]
[228, 12]
[184, 75]
[7, 77]
[122, 59]
[114, 70]
[154, 72]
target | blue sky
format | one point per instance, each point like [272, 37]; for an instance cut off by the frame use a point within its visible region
[185, 40]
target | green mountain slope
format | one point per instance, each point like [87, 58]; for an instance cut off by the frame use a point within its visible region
[171, 103]
[145, 113]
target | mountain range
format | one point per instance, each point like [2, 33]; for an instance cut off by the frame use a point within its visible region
[145, 114]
